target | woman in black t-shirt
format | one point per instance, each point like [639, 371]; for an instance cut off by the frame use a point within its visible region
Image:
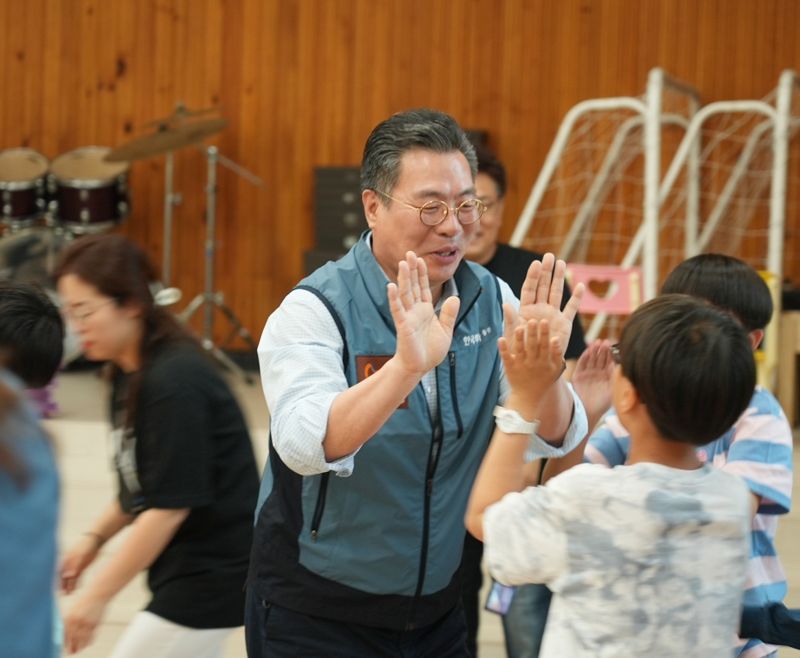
[187, 479]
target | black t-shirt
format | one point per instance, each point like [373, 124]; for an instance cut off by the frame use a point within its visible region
[189, 447]
[511, 265]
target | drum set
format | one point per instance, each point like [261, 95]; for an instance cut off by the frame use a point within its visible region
[44, 205]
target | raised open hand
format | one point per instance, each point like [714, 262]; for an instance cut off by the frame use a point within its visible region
[531, 356]
[423, 339]
[541, 298]
[592, 378]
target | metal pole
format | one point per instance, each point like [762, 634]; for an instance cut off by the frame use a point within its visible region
[780, 154]
[693, 187]
[652, 176]
[166, 269]
[211, 208]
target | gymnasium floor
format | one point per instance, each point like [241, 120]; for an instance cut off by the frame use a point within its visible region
[80, 433]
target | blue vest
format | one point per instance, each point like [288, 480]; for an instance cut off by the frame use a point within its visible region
[383, 545]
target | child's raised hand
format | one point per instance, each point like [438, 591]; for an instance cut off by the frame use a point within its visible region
[592, 378]
[541, 296]
[531, 355]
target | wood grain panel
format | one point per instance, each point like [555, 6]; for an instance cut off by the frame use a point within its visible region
[302, 82]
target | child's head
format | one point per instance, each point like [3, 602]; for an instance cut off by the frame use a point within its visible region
[31, 333]
[690, 364]
[726, 282]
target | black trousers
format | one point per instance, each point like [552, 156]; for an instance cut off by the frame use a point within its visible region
[773, 623]
[272, 631]
[471, 583]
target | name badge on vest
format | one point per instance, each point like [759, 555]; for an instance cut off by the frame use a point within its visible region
[367, 365]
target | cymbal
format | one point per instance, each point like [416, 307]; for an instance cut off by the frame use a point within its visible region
[181, 113]
[170, 138]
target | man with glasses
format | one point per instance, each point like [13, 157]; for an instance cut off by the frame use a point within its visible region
[381, 373]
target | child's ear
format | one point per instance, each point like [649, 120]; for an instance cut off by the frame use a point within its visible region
[756, 336]
[627, 397]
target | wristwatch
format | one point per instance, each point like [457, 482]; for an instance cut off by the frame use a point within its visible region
[510, 422]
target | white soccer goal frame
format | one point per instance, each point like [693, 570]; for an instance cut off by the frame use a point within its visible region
[647, 112]
[644, 246]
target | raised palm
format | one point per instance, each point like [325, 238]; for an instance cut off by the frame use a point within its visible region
[532, 361]
[541, 298]
[592, 378]
[423, 338]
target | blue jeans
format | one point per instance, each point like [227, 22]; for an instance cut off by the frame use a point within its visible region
[523, 624]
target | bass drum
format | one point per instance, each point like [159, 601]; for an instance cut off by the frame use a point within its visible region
[89, 195]
[22, 187]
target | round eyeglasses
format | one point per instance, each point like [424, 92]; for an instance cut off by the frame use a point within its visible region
[435, 211]
[80, 314]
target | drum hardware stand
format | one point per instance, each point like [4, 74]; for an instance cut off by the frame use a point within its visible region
[59, 239]
[171, 199]
[181, 128]
[209, 298]
[184, 128]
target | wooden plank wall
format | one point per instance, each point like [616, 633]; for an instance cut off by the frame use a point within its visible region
[302, 82]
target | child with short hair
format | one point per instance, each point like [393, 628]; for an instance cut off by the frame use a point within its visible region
[32, 340]
[757, 447]
[645, 559]
[31, 333]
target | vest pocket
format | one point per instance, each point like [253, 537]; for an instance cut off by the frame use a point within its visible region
[319, 508]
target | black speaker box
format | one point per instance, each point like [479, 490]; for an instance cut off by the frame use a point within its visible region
[338, 213]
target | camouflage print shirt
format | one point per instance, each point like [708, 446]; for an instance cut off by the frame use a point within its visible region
[643, 560]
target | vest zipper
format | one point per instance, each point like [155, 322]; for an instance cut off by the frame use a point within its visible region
[454, 395]
[433, 461]
[430, 470]
[320, 506]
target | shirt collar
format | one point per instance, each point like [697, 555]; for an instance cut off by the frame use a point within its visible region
[449, 289]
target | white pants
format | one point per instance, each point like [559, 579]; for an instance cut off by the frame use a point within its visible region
[154, 637]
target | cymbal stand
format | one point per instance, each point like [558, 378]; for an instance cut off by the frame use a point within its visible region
[210, 299]
[171, 199]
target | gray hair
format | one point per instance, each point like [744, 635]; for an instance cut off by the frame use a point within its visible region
[401, 132]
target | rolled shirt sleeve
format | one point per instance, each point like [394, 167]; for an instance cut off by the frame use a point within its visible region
[300, 357]
[577, 430]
